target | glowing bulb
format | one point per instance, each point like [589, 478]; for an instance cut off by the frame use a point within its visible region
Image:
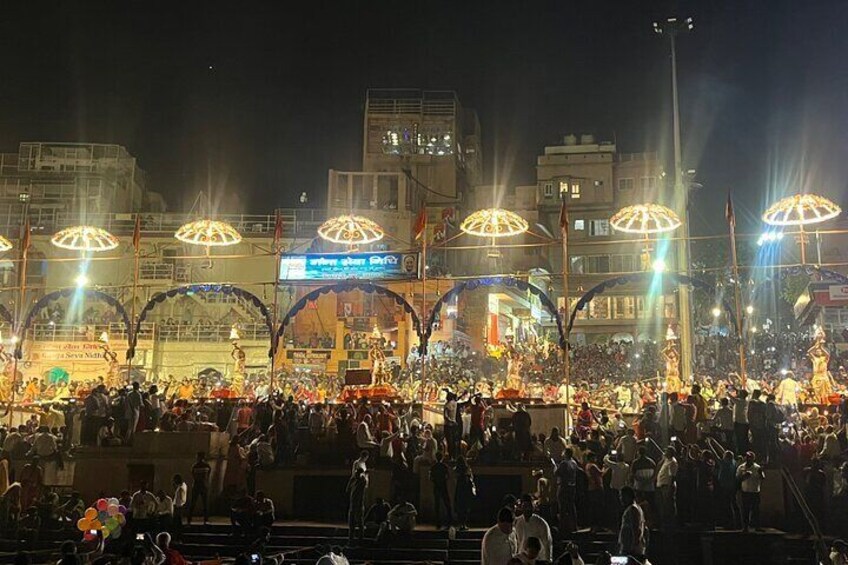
[659, 266]
[749, 309]
[14, 339]
[716, 312]
[81, 280]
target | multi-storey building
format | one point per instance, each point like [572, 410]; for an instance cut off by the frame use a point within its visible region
[596, 181]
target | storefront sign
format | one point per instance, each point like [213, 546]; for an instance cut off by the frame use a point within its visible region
[838, 291]
[338, 266]
[308, 357]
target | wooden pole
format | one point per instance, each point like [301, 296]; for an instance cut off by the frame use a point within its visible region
[277, 248]
[133, 339]
[738, 299]
[19, 312]
[423, 318]
[566, 364]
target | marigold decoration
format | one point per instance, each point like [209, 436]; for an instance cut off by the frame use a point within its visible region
[645, 219]
[800, 210]
[494, 222]
[5, 244]
[351, 230]
[84, 238]
[208, 233]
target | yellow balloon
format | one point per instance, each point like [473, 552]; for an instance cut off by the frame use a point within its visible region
[83, 524]
[90, 513]
[96, 525]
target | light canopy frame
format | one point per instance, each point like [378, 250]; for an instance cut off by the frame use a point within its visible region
[85, 239]
[494, 223]
[208, 233]
[351, 230]
[645, 219]
[801, 210]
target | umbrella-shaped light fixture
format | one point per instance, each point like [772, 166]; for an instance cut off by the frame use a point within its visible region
[208, 233]
[801, 210]
[351, 230]
[645, 219]
[494, 222]
[84, 239]
[5, 244]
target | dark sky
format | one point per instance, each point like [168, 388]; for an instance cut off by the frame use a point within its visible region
[764, 91]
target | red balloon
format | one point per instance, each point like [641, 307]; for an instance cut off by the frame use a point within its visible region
[102, 504]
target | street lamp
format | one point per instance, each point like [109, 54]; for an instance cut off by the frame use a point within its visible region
[801, 210]
[670, 28]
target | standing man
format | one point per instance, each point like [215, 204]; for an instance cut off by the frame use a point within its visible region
[200, 473]
[740, 421]
[666, 485]
[180, 499]
[453, 429]
[757, 423]
[356, 487]
[133, 410]
[530, 525]
[752, 476]
[499, 545]
[439, 478]
[566, 474]
[631, 535]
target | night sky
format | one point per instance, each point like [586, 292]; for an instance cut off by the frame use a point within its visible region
[262, 99]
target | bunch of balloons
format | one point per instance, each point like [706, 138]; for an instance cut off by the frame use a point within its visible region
[106, 517]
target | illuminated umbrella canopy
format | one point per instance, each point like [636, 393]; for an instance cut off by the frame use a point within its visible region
[208, 233]
[84, 238]
[5, 244]
[645, 219]
[800, 210]
[494, 222]
[351, 230]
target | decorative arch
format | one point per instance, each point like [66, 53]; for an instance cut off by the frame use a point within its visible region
[645, 277]
[348, 286]
[161, 297]
[5, 315]
[47, 299]
[494, 281]
[809, 270]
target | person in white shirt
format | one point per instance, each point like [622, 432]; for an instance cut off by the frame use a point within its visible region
[499, 545]
[751, 475]
[723, 423]
[530, 552]
[628, 446]
[555, 445]
[528, 524]
[164, 510]
[180, 497]
[619, 470]
[386, 450]
[631, 535]
[364, 438]
[144, 506]
[361, 463]
[787, 391]
[666, 485]
[13, 441]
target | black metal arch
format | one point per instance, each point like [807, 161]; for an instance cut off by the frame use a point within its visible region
[160, 297]
[348, 286]
[494, 281]
[66, 293]
[809, 270]
[645, 277]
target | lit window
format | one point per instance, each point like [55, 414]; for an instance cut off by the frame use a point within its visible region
[563, 186]
[579, 225]
[575, 190]
[598, 227]
[625, 184]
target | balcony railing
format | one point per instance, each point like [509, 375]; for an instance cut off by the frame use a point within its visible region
[162, 331]
[296, 223]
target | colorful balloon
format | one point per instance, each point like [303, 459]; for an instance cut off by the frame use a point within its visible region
[112, 500]
[96, 524]
[121, 519]
[112, 509]
[90, 513]
[101, 504]
[116, 533]
[83, 524]
[122, 509]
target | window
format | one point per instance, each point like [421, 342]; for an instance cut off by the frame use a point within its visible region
[649, 183]
[563, 186]
[575, 190]
[624, 308]
[548, 189]
[598, 227]
[579, 225]
[603, 264]
[577, 265]
[599, 308]
[625, 184]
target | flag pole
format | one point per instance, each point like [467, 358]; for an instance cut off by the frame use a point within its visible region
[19, 311]
[731, 222]
[133, 339]
[423, 318]
[566, 362]
[277, 248]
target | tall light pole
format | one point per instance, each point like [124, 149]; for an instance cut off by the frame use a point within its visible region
[670, 28]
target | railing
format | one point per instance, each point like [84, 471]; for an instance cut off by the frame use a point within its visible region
[210, 333]
[85, 332]
[296, 223]
[160, 331]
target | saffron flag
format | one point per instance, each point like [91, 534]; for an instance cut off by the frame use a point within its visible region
[563, 217]
[420, 222]
[136, 240]
[728, 211]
